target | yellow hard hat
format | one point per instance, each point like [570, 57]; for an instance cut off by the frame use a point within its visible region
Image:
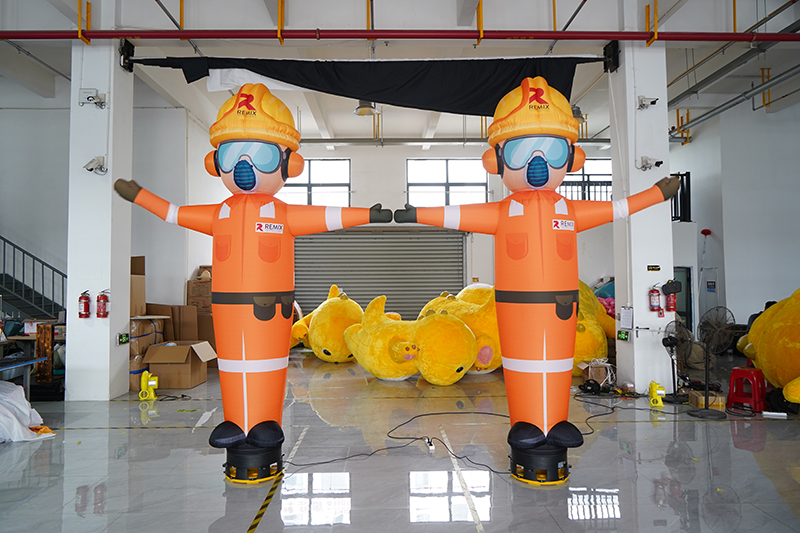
[255, 113]
[533, 108]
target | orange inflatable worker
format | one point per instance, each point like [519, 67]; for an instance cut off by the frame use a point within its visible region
[253, 283]
[536, 268]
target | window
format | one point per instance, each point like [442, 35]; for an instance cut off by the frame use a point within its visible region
[592, 182]
[434, 182]
[323, 182]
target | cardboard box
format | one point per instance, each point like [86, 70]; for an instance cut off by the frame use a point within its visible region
[595, 372]
[199, 288]
[146, 330]
[29, 326]
[180, 364]
[205, 332]
[138, 292]
[136, 367]
[182, 324]
[203, 268]
[716, 400]
[203, 304]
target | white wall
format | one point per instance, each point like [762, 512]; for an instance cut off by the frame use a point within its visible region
[34, 150]
[702, 159]
[760, 190]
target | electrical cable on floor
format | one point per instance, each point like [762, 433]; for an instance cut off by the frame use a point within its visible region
[613, 408]
[170, 398]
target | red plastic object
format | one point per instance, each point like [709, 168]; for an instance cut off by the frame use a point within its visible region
[747, 387]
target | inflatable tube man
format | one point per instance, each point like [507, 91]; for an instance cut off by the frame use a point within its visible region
[536, 270]
[253, 284]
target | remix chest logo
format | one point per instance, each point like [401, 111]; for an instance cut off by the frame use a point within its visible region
[268, 227]
[568, 225]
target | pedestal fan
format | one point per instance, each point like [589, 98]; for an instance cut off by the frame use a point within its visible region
[678, 341]
[715, 333]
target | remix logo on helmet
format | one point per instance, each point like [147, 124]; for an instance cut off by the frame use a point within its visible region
[536, 96]
[246, 103]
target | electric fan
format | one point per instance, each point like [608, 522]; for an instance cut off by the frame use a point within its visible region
[715, 332]
[678, 341]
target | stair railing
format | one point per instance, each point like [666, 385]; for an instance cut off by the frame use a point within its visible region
[36, 282]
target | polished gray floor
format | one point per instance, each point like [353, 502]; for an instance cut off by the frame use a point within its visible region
[127, 465]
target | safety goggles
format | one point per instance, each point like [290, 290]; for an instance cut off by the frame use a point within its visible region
[266, 157]
[518, 151]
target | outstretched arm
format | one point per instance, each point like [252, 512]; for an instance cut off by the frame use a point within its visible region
[591, 214]
[308, 219]
[475, 218]
[194, 217]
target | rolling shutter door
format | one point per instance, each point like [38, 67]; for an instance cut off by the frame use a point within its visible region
[410, 267]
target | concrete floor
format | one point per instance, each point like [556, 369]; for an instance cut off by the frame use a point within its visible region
[127, 465]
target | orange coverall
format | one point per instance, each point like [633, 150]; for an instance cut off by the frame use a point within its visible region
[253, 289]
[536, 263]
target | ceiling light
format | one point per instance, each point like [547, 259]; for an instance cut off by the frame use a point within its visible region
[365, 109]
[576, 113]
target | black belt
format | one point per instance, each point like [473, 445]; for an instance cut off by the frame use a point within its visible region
[562, 299]
[264, 303]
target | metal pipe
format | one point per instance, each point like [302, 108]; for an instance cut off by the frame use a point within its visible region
[470, 35]
[45, 65]
[794, 71]
[178, 25]
[398, 141]
[580, 6]
[730, 67]
[728, 45]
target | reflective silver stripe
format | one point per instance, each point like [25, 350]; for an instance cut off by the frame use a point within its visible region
[172, 214]
[515, 209]
[333, 218]
[251, 367]
[452, 216]
[224, 211]
[620, 208]
[561, 207]
[538, 367]
[267, 210]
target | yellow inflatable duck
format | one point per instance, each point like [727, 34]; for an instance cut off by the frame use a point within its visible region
[592, 306]
[773, 344]
[324, 327]
[480, 318]
[383, 345]
[590, 334]
[447, 348]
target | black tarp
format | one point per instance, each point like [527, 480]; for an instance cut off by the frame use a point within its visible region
[459, 86]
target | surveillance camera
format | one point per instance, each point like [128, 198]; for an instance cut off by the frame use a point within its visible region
[650, 162]
[96, 165]
[645, 102]
[658, 163]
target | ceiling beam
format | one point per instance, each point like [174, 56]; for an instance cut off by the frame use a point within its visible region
[319, 116]
[67, 8]
[26, 72]
[430, 127]
[465, 11]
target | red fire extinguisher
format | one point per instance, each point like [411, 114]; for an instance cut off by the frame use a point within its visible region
[83, 305]
[655, 300]
[671, 290]
[102, 304]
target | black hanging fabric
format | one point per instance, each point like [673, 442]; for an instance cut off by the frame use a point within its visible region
[459, 86]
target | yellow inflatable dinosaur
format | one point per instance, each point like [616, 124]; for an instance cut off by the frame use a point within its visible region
[773, 344]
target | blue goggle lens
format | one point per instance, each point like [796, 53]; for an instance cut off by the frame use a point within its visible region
[266, 157]
[518, 152]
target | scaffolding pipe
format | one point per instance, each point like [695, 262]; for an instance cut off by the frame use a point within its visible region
[794, 71]
[324, 34]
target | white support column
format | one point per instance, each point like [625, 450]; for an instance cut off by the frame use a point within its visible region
[642, 242]
[99, 239]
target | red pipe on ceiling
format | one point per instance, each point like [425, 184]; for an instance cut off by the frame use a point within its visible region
[321, 34]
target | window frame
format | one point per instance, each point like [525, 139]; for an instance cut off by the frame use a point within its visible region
[447, 184]
[310, 185]
[588, 188]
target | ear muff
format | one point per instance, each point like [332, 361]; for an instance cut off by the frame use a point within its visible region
[293, 165]
[489, 159]
[576, 159]
[211, 163]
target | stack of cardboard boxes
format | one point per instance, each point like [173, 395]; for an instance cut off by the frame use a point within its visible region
[165, 340]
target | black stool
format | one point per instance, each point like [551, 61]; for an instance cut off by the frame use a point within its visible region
[251, 464]
[544, 465]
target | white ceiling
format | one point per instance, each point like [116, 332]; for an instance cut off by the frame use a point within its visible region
[329, 116]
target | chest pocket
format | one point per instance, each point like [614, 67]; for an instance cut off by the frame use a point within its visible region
[269, 248]
[565, 245]
[222, 247]
[517, 245]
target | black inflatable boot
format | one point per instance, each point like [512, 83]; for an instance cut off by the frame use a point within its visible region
[259, 458]
[538, 459]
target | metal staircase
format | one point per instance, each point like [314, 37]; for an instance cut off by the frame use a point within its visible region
[29, 287]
